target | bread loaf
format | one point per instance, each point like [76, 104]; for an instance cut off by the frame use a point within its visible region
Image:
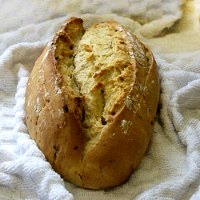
[91, 103]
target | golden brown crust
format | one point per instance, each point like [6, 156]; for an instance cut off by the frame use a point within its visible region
[54, 114]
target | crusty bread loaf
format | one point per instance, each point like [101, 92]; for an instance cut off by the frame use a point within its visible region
[91, 102]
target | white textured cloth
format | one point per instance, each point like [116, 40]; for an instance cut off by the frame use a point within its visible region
[171, 167]
[37, 11]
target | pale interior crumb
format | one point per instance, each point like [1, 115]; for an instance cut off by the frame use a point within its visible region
[98, 66]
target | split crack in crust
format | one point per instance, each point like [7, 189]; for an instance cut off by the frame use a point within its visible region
[95, 75]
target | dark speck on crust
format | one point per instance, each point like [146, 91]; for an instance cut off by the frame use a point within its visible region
[65, 108]
[103, 120]
[76, 147]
